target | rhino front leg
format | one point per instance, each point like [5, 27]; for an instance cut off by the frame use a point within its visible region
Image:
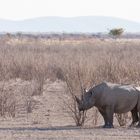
[103, 113]
[109, 117]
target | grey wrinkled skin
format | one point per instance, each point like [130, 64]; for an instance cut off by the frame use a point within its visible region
[112, 98]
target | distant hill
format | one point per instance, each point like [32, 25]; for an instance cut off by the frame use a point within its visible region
[83, 24]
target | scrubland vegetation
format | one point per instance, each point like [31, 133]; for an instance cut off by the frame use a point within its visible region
[92, 59]
[96, 59]
[77, 61]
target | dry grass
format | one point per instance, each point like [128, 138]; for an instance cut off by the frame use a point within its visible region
[38, 59]
[97, 60]
[35, 60]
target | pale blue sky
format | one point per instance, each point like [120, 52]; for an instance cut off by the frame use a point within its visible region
[24, 9]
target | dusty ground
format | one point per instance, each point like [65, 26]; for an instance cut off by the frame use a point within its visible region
[68, 133]
[50, 121]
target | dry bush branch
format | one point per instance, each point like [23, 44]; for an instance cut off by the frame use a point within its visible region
[7, 102]
[71, 105]
[122, 118]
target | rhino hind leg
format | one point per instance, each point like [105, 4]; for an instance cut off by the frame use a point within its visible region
[135, 117]
[139, 120]
[138, 110]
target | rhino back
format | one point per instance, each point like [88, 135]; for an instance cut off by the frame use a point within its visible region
[123, 97]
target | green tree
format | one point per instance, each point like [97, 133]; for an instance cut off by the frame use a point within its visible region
[116, 32]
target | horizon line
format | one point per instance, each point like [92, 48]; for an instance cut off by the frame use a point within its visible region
[37, 17]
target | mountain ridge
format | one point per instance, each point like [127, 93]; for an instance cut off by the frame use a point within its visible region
[81, 24]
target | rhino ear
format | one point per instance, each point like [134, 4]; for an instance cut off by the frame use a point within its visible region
[77, 100]
[86, 90]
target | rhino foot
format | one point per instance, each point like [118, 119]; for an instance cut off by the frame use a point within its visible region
[108, 126]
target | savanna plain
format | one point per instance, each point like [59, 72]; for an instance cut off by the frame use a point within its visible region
[39, 75]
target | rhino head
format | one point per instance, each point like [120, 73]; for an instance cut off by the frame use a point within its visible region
[86, 101]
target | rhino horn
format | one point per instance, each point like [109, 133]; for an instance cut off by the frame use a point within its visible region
[77, 100]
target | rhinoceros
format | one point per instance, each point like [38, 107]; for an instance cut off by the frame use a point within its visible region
[112, 98]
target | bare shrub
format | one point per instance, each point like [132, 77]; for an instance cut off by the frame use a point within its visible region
[71, 107]
[74, 87]
[71, 104]
[16, 97]
[95, 117]
[38, 86]
[122, 118]
[38, 82]
[34, 88]
[92, 117]
[7, 102]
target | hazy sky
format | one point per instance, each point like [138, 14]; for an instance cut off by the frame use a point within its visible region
[22, 9]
